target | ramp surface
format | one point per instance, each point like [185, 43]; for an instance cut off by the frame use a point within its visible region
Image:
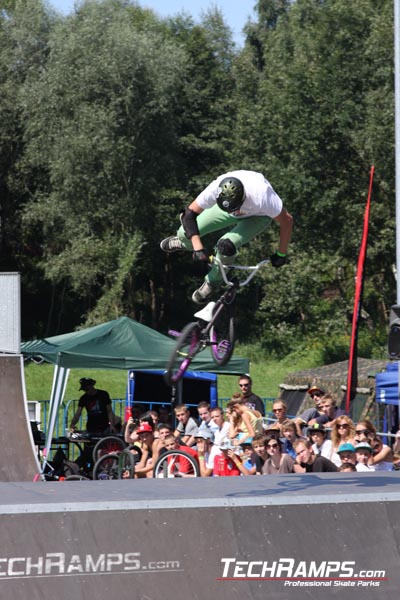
[18, 461]
[315, 536]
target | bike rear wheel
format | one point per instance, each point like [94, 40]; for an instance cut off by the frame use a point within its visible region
[222, 336]
[187, 346]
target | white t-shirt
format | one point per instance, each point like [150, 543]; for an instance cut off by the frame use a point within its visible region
[260, 197]
[221, 434]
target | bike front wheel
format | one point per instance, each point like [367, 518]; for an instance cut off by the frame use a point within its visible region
[106, 445]
[222, 336]
[187, 346]
[176, 463]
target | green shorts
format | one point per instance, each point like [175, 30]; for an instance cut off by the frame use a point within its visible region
[241, 231]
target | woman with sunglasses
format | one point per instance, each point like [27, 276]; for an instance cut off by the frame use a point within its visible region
[277, 461]
[364, 431]
[343, 432]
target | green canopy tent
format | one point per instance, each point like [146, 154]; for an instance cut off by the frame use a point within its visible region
[119, 344]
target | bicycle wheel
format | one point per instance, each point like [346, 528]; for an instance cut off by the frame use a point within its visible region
[222, 336]
[76, 478]
[106, 467]
[176, 463]
[126, 465]
[106, 445]
[187, 346]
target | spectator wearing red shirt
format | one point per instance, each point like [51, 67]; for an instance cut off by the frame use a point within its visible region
[180, 463]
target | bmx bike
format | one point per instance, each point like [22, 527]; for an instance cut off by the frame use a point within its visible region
[215, 325]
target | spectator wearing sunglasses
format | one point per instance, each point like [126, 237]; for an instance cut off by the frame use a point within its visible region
[364, 431]
[277, 461]
[252, 400]
[343, 432]
[279, 409]
[309, 416]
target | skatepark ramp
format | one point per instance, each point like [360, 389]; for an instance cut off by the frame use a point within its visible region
[18, 461]
[313, 536]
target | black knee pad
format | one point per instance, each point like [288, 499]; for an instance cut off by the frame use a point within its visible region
[226, 247]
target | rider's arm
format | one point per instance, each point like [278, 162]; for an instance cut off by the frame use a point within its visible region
[191, 214]
[76, 417]
[285, 221]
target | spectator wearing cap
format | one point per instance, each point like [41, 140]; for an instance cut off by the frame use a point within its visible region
[321, 445]
[309, 416]
[347, 453]
[252, 400]
[150, 450]
[248, 458]
[204, 444]
[97, 403]
[363, 454]
[226, 464]
[308, 462]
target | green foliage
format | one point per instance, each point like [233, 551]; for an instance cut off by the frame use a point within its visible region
[112, 120]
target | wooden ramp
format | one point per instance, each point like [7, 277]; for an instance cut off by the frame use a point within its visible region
[18, 461]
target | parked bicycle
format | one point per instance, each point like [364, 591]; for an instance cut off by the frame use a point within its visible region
[215, 325]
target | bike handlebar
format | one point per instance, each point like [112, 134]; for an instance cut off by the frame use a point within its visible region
[224, 269]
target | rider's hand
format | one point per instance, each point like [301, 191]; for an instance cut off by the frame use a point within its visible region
[201, 256]
[201, 262]
[277, 259]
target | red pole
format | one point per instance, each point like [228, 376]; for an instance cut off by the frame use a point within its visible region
[352, 371]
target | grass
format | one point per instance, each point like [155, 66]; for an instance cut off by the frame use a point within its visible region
[266, 373]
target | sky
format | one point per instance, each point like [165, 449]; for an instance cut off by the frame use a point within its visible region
[235, 12]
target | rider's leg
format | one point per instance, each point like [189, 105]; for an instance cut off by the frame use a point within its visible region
[229, 244]
[212, 219]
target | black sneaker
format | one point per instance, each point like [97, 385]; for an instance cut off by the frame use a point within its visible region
[203, 294]
[172, 244]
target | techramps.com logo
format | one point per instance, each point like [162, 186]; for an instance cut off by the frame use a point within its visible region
[61, 564]
[295, 573]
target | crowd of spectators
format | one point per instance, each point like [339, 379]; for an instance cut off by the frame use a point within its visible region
[240, 441]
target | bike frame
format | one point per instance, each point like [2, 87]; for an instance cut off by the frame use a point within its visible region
[208, 316]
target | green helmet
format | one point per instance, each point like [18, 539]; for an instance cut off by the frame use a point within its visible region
[230, 194]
